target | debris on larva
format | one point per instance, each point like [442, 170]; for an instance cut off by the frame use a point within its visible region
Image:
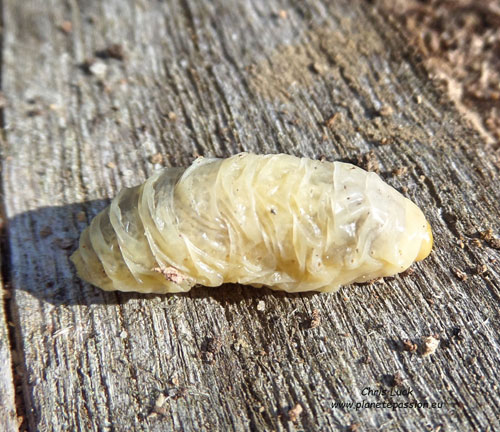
[289, 223]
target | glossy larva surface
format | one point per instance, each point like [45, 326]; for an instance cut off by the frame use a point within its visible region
[292, 224]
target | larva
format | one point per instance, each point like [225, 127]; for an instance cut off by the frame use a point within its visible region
[289, 223]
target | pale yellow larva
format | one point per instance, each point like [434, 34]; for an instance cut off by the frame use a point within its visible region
[292, 224]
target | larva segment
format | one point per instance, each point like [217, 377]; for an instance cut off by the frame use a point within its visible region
[289, 223]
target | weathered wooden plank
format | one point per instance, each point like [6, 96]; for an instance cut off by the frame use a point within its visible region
[260, 76]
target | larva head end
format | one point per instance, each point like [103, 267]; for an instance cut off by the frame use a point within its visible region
[426, 245]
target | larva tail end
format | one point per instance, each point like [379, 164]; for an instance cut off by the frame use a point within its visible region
[95, 278]
[78, 262]
[426, 245]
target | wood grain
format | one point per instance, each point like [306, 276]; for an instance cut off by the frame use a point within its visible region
[216, 78]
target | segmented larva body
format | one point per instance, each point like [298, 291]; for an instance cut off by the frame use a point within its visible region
[292, 224]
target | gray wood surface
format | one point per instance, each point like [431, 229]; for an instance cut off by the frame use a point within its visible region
[314, 78]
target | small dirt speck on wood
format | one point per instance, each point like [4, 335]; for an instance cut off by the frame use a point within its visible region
[461, 275]
[214, 344]
[354, 427]
[400, 171]
[34, 112]
[430, 345]
[480, 269]
[85, 66]
[368, 161]
[455, 337]
[159, 407]
[366, 360]
[409, 346]
[408, 272]
[490, 239]
[477, 243]
[210, 348]
[98, 69]
[66, 27]
[393, 380]
[157, 158]
[397, 379]
[456, 334]
[332, 119]
[45, 231]
[385, 111]
[295, 412]
[283, 14]
[114, 51]
[318, 68]
[316, 319]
